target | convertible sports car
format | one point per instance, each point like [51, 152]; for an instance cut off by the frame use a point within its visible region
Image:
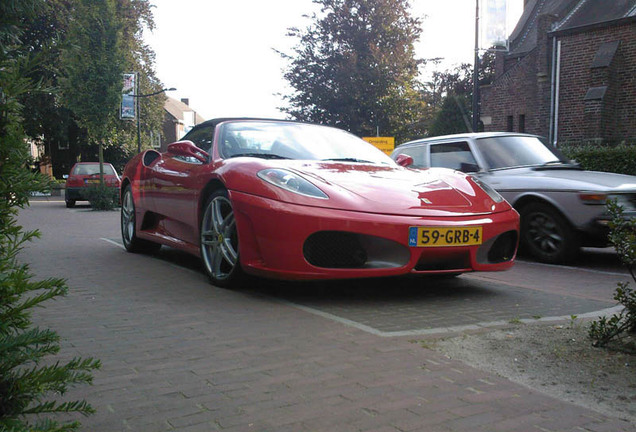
[295, 201]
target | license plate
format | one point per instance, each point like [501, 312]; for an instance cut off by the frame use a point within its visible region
[91, 181]
[445, 236]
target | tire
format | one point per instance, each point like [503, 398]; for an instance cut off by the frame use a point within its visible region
[219, 242]
[132, 243]
[546, 235]
[70, 203]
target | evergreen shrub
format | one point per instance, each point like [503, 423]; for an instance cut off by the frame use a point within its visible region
[619, 158]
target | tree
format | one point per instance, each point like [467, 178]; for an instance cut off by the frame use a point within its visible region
[24, 382]
[94, 70]
[355, 68]
[452, 117]
[451, 93]
[48, 116]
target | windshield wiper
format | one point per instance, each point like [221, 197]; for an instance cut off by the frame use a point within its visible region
[260, 155]
[346, 160]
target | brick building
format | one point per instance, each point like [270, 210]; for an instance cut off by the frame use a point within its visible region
[569, 73]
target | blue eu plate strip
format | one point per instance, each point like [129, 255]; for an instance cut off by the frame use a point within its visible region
[413, 236]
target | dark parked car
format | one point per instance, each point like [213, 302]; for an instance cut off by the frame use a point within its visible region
[562, 206]
[84, 175]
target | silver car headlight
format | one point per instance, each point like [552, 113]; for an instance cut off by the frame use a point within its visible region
[291, 182]
[493, 194]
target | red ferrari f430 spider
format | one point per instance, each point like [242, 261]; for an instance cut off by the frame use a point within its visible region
[296, 201]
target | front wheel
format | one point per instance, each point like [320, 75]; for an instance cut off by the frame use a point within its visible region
[132, 243]
[70, 203]
[219, 241]
[547, 235]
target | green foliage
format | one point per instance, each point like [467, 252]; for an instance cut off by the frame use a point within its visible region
[354, 68]
[52, 34]
[25, 383]
[594, 157]
[450, 93]
[623, 237]
[93, 67]
[452, 118]
[102, 197]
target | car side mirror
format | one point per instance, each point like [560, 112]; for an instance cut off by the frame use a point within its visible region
[188, 149]
[404, 160]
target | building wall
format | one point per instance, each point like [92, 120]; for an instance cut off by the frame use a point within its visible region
[523, 87]
[614, 116]
[512, 95]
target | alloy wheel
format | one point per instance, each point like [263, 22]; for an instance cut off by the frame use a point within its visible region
[219, 240]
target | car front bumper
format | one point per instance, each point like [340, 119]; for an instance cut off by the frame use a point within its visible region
[288, 241]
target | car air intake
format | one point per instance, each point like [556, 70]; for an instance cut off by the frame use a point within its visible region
[334, 249]
[504, 247]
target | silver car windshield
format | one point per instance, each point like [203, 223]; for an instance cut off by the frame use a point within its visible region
[517, 151]
[282, 140]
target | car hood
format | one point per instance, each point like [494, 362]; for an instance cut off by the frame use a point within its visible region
[395, 190]
[559, 179]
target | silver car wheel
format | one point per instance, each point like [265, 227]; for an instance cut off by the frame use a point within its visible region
[127, 218]
[219, 240]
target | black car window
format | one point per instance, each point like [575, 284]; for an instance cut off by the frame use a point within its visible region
[455, 156]
[201, 137]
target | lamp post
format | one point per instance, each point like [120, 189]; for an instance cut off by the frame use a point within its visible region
[476, 72]
[138, 96]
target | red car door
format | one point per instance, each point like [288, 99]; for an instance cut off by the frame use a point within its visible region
[175, 196]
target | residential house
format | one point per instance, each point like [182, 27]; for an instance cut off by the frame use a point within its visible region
[179, 118]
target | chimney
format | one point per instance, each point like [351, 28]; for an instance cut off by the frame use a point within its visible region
[186, 101]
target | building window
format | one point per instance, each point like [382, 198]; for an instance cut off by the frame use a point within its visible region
[510, 124]
[522, 123]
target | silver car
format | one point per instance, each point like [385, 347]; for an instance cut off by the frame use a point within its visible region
[562, 207]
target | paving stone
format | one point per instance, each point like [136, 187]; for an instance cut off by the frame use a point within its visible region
[180, 354]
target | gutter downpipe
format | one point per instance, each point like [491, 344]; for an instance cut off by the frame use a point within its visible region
[552, 78]
[554, 91]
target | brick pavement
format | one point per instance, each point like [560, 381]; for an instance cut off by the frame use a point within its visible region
[179, 354]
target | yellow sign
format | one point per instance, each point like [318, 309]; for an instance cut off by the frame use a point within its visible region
[386, 144]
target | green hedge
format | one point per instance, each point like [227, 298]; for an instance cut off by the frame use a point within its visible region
[617, 159]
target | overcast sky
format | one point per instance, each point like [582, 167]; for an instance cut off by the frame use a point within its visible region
[220, 54]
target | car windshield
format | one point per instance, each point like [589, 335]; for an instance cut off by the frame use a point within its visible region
[283, 140]
[92, 169]
[517, 151]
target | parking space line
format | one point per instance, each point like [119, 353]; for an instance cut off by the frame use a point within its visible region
[113, 242]
[447, 330]
[572, 268]
[420, 332]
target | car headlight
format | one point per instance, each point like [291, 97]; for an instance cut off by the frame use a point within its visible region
[493, 194]
[291, 182]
